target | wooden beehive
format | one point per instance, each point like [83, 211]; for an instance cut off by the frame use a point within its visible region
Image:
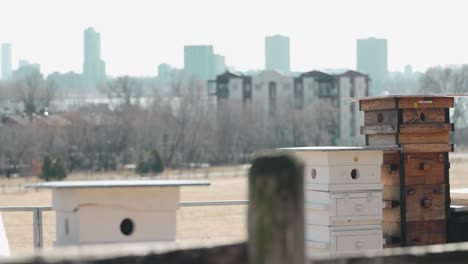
[415, 174]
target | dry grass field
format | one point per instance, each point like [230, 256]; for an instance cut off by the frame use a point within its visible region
[214, 223]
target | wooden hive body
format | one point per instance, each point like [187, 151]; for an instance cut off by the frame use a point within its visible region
[415, 176]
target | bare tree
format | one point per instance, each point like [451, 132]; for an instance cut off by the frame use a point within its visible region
[448, 80]
[34, 93]
[123, 91]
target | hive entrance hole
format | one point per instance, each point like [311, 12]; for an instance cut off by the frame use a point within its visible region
[313, 173]
[126, 226]
[355, 174]
[422, 116]
[380, 117]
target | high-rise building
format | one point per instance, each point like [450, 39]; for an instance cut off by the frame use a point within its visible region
[277, 53]
[6, 61]
[219, 64]
[199, 61]
[371, 57]
[94, 68]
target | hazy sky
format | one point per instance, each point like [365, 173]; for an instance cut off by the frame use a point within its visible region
[138, 35]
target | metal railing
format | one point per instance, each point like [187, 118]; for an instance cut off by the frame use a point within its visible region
[214, 203]
[38, 236]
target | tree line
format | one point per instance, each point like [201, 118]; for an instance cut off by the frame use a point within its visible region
[184, 128]
[177, 130]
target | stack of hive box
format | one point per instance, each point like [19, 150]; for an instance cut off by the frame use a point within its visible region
[343, 199]
[415, 174]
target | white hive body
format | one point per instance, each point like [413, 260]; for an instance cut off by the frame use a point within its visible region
[340, 169]
[342, 177]
[333, 209]
[94, 212]
[342, 240]
[342, 199]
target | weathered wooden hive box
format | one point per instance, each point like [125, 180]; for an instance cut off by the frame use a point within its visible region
[94, 212]
[343, 199]
[415, 174]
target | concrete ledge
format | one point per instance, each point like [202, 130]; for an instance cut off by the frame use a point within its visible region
[176, 252]
[446, 254]
[211, 253]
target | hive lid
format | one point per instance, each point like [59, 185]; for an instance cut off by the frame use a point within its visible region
[340, 148]
[355, 99]
[116, 184]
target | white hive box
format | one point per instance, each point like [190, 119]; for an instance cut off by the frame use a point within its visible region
[336, 209]
[343, 199]
[333, 169]
[93, 212]
[326, 241]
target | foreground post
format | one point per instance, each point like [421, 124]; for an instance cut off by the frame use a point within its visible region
[276, 210]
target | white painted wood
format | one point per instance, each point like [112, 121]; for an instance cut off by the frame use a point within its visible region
[342, 174]
[94, 215]
[344, 187]
[4, 246]
[324, 240]
[116, 184]
[324, 233]
[92, 212]
[343, 199]
[335, 209]
[326, 156]
[356, 243]
[144, 198]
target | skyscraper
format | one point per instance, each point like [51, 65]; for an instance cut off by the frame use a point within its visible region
[94, 68]
[277, 53]
[219, 64]
[6, 61]
[199, 61]
[371, 56]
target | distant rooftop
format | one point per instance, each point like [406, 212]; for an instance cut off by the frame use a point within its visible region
[405, 96]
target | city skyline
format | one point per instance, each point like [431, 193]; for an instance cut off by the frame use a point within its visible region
[157, 33]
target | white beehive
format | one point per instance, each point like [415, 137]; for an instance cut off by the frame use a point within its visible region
[92, 212]
[326, 240]
[343, 199]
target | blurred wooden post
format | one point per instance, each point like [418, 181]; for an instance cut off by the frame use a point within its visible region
[276, 210]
